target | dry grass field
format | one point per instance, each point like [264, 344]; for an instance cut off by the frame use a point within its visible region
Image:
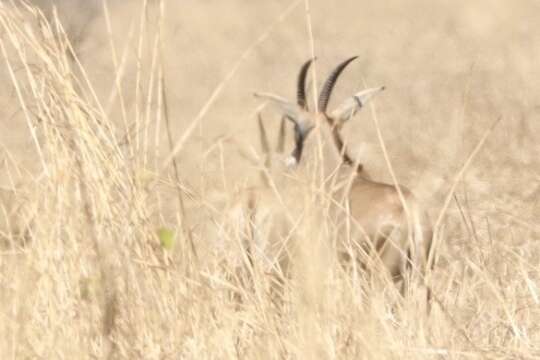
[128, 134]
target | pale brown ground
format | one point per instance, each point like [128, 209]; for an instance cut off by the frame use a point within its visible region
[92, 281]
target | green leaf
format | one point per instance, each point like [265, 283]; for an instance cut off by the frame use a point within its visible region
[166, 238]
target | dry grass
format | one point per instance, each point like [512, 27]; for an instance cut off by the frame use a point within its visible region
[113, 248]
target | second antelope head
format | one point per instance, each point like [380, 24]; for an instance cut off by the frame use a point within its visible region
[305, 120]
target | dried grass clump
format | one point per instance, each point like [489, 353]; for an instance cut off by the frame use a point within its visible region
[115, 237]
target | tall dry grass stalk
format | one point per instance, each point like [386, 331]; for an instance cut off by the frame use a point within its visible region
[107, 251]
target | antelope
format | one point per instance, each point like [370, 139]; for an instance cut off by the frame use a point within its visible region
[387, 221]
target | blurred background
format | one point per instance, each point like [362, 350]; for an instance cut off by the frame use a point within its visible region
[451, 68]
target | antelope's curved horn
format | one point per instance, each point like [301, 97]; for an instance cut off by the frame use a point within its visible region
[326, 91]
[301, 84]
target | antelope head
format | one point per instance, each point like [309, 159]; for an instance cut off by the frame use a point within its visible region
[304, 120]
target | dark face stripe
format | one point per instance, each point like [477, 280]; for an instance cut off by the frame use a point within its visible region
[299, 140]
[299, 143]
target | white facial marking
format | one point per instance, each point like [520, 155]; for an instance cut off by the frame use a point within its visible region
[290, 161]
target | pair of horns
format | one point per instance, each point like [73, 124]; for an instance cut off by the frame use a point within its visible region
[328, 87]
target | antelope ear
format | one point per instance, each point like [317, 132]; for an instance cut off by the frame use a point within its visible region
[289, 109]
[352, 105]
